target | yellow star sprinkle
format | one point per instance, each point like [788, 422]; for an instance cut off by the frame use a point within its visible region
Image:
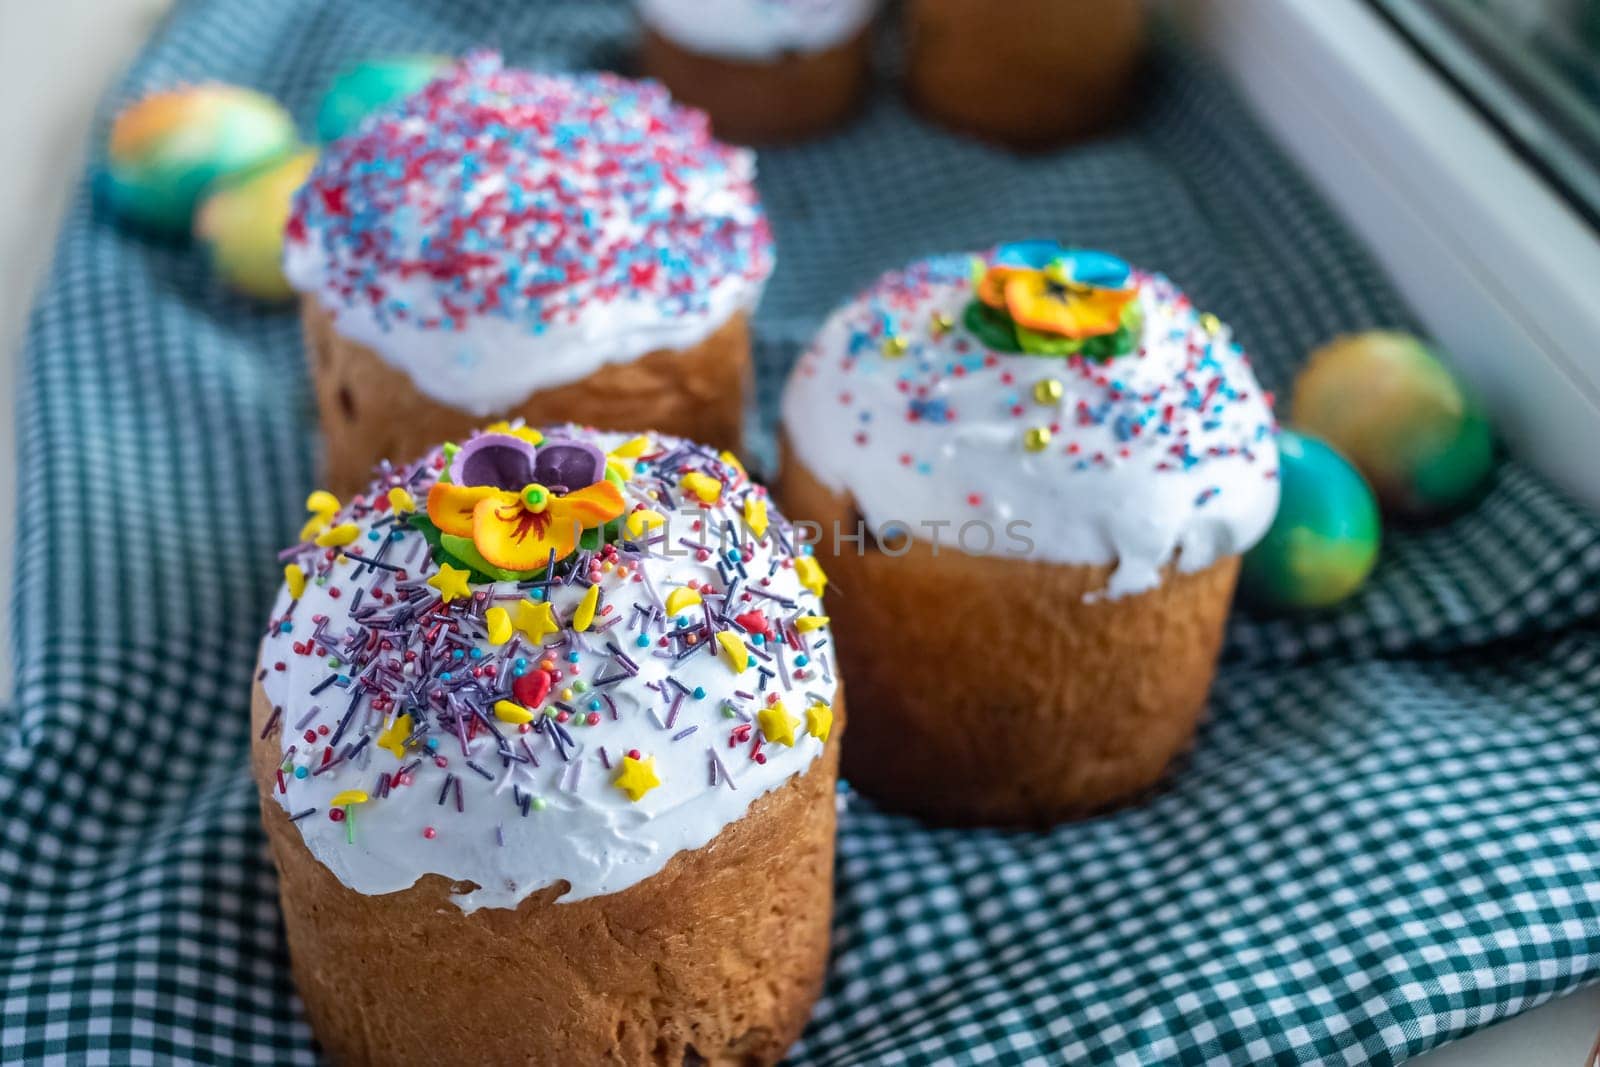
[680, 598]
[731, 460]
[734, 654]
[295, 577]
[512, 712]
[705, 488]
[402, 501]
[819, 721]
[807, 623]
[584, 616]
[777, 725]
[537, 621]
[637, 777]
[755, 515]
[498, 620]
[451, 583]
[641, 522]
[348, 797]
[1210, 323]
[338, 536]
[809, 571]
[394, 736]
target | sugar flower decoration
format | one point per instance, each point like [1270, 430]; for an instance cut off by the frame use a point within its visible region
[1043, 298]
[511, 501]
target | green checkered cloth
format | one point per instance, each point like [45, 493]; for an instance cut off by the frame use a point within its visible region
[1385, 838]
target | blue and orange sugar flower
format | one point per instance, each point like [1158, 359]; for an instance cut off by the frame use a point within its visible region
[1042, 298]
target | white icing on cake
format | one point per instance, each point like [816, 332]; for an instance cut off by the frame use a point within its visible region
[504, 231]
[1165, 454]
[588, 833]
[756, 29]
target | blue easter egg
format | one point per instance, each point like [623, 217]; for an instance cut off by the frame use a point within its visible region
[360, 90]
[1324, 541]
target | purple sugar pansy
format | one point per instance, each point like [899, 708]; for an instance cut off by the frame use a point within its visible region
[502, 460]
[506, 461]
[564, 465]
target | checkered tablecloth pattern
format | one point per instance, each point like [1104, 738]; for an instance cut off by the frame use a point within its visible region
[1386, 836]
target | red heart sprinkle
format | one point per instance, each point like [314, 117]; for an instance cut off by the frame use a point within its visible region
[531, 689]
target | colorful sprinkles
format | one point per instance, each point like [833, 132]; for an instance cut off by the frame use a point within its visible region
[531, 197]
[601, 677]
[1063, 404]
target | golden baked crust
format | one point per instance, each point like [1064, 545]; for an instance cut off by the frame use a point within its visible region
[372, 411]
[788, 99]
[717, 959]
[992, 692]
[1030, 73]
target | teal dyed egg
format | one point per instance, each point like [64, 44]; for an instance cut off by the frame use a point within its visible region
[360, 90]
[1324, 541]
[167, 148]
[1386, 401]
[241, 225]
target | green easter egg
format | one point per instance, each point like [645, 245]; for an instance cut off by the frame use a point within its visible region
[1387, 402]
[167, 149]
[1324, 541]
[241, 225]
[360, 90]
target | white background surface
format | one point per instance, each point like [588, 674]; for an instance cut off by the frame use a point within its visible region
[57, 57]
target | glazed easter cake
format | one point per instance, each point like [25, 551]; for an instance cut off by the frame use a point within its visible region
[1058, 461]
[546, 737]
[542, 246]
[765, 70]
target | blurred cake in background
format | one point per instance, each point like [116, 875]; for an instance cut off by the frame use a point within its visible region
[509, 243]
[765, 70]
[1029, 73]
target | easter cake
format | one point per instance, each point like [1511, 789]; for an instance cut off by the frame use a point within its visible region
[765, 70]
[1033, 472]
[1028, 73]
[546, 733]
[505, 243]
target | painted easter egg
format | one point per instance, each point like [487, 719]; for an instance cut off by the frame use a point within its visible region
[360, 90]
[167, 148]
[1384, 400]
[241, 226]
[1324, 541]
